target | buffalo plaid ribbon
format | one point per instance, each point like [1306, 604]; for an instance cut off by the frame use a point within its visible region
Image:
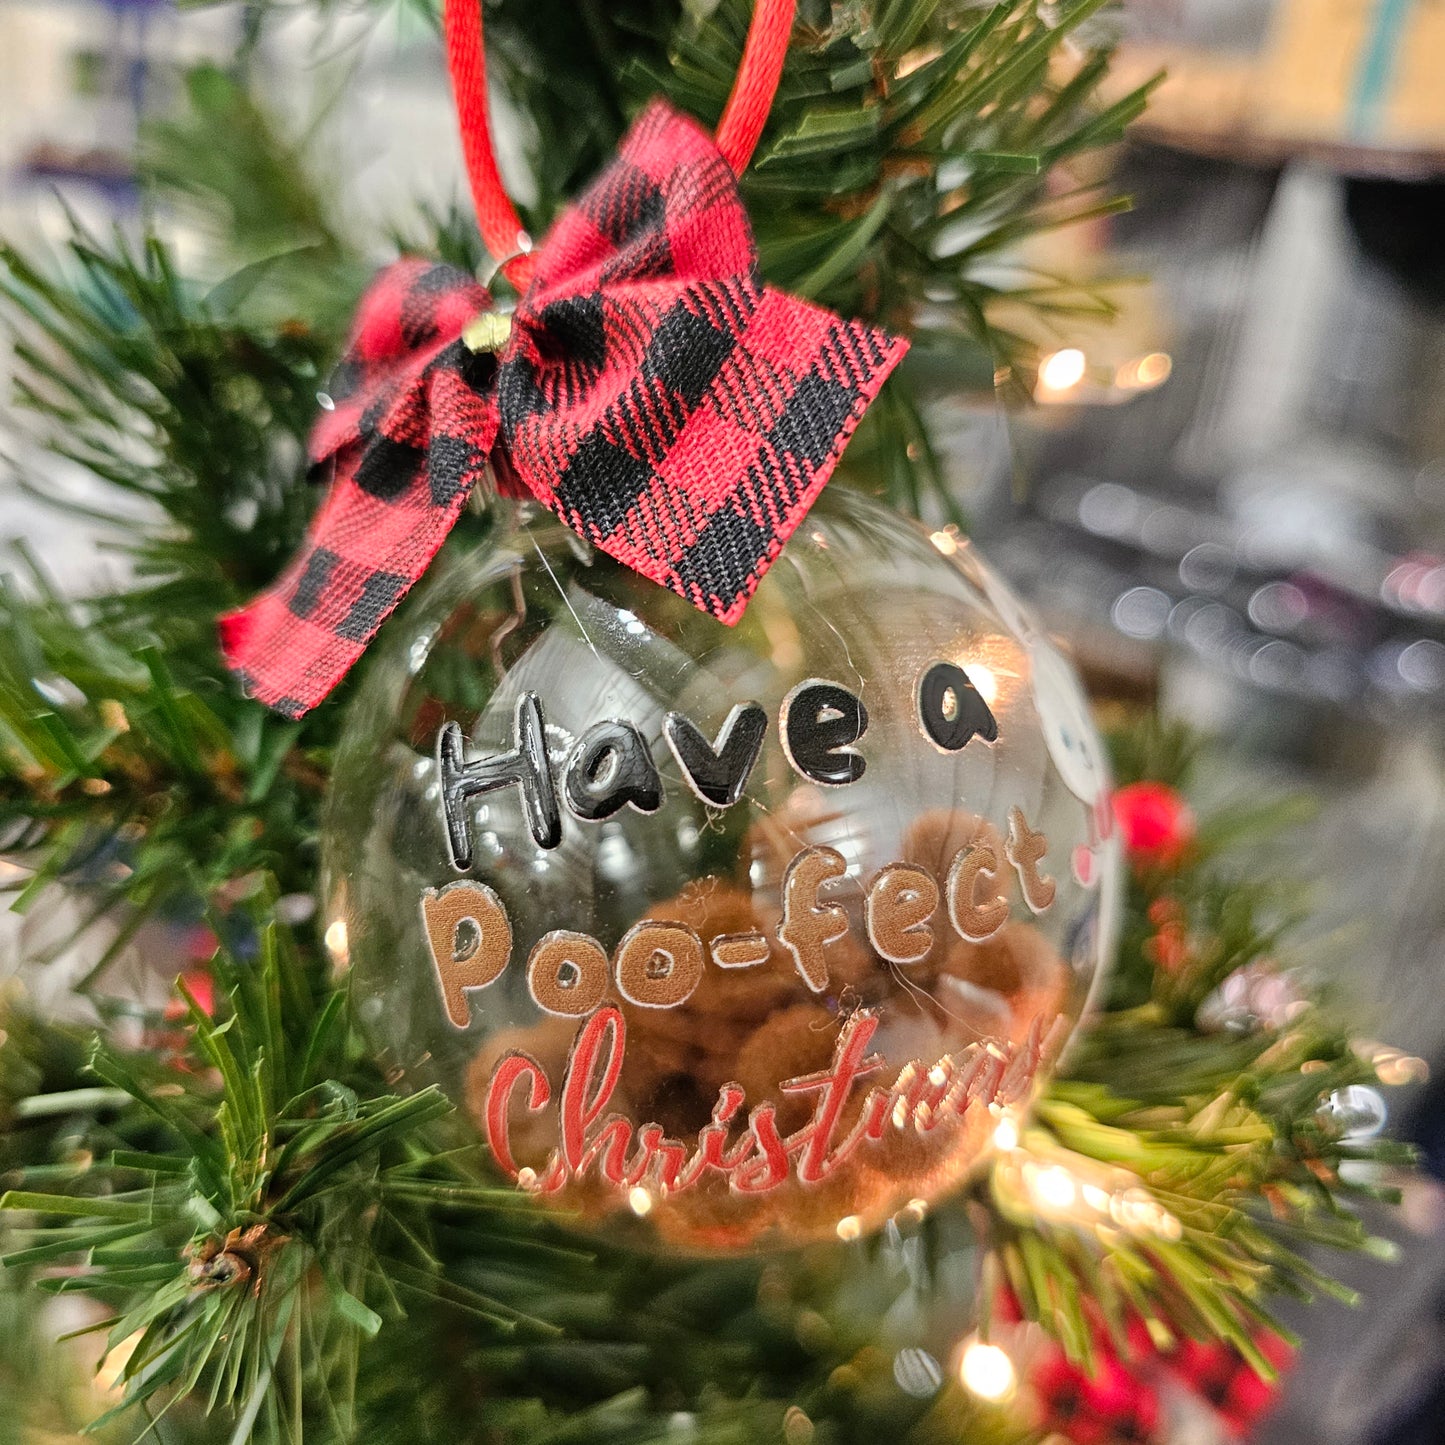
[652, 392]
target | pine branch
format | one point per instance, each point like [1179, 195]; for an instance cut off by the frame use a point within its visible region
[130, 763]
[239, 1250]
[1218, 1167]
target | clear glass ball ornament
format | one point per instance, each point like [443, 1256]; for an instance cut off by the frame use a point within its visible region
[760, 934]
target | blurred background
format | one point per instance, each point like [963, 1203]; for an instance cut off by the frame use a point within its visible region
[1230, 500]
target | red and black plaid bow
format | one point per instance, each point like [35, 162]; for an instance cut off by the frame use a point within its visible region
[652, 393]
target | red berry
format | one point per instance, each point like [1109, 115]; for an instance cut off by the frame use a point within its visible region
[1156, 823]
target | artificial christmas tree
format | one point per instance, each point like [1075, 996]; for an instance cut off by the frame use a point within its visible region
[287, 1239]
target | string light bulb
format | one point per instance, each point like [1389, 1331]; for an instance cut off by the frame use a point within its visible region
[1062, 370]
[987, 1372]
[1006, 1135]
[337, 944]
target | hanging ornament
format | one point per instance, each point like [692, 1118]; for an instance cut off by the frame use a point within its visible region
[736, 886]
[1156, 823]
[754, 931]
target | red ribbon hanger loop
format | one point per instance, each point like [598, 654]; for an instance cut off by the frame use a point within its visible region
[744, 116]
[746, 111]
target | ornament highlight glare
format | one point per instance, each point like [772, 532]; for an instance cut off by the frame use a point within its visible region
[742, 936]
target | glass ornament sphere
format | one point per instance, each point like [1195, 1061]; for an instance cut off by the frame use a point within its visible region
[759, 934]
